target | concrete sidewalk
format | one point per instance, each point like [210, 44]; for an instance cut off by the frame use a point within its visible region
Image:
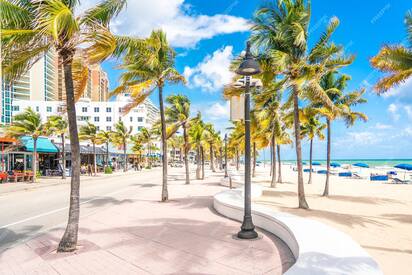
[140, 235]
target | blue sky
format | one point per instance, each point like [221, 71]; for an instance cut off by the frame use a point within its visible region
[207, 34]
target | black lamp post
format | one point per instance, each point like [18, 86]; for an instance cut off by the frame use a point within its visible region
[248, 67]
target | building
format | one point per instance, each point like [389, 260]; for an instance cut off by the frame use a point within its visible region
[102, 114]
[45, 82]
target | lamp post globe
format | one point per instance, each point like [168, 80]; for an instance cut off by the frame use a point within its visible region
[247, 68]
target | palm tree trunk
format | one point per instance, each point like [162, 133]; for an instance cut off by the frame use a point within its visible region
[203, 162]
[69, 240]
[124, 156]
[173, 154]
[186, 148]
[198, 164]
[326, 191]
[221, 159]
[237, 160]
[107, 154]
[273, 151]
[301, 190]
[271, 160]
[254, 160]
[280, 165]
[94, 159]
[34, 160]
[212, 166]
[63, 157]
[165, 194]
[310, 162]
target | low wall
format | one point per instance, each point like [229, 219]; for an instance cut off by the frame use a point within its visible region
[317, 247]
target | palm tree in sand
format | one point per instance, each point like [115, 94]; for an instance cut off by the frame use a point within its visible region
[282, 29]
[31, 28]
[148, 66]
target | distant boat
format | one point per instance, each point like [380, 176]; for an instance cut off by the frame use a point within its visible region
[362, 165]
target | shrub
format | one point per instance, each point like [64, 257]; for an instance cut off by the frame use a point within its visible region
[108, 170]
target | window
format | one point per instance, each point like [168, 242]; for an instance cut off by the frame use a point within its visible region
[97, 128]
[131, 119]
[108, 110]
[96, 119]
[49, 109]
[139, 128]
[84, 109]
[16, 108]
[59, 109]
[83, 118]
[96, 109]
[108, 128]
[139, 119]
[37, 109]
[108, 118]
[120, 109]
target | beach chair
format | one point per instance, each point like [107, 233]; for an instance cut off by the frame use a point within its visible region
[400, 181]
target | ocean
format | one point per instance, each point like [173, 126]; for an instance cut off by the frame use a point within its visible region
[371, 162]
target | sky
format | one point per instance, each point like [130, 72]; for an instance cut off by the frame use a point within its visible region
[208, 34]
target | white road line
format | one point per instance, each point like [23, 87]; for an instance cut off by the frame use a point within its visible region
[61, 209]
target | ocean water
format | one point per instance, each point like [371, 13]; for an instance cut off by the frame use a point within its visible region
[371, 162]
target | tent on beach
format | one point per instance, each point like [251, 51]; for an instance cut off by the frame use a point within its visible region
[404, 166]
[335, 164]
[362, 165]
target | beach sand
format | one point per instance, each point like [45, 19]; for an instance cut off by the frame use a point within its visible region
[377, 215]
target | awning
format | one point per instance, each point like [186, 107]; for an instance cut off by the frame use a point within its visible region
[7, 140]
[44, 145]
[84, 149]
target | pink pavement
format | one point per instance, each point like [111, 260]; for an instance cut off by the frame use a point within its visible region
[140, 235]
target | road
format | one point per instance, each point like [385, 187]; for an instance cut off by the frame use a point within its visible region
[27, 213]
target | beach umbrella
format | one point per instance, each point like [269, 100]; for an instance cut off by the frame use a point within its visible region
[360, 164]
[335, 164]
[404, 166]
[316, 163]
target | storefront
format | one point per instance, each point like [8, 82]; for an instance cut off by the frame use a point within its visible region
[86, 155]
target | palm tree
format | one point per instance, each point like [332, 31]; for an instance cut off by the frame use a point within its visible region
[57, 125]
[145, 137]
[311, 128]
[89, 132]
[28, 123]
[177, 114]
[146, 70]
[334, 84]
[395, 60]
[105, 137]
[196, 135]
[282, 139]
[137, 147]
[120, 136]
[31, 28]
[211, 137]
[282, 30]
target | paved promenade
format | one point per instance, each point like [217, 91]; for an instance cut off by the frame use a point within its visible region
[137, 234]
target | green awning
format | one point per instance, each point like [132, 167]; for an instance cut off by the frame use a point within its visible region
[44, 145]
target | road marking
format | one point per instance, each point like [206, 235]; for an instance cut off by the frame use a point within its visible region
[61, 209]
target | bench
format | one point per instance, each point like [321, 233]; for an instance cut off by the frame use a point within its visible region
[28, 176]
[16, 176]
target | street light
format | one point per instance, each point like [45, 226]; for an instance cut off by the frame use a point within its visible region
[247, 68]
[226, 156]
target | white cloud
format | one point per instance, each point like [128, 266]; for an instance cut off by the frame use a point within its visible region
[183, 28]
[408, 110]
[213, 72]
[401, 92]
[218, 111]
[394, 111]
[382, 126]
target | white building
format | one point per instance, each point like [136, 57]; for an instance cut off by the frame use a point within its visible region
[102, 114]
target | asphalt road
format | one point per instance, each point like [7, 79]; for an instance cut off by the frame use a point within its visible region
[27, 213]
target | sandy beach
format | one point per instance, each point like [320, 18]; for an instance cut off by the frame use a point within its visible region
[377, 215]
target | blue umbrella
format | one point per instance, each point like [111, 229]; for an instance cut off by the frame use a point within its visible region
[316, 163]
[360, 164]
[304, 163]
[335, 164]
[404, 166]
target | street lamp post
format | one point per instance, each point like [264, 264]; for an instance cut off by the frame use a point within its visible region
[247, 68]
[226, 156]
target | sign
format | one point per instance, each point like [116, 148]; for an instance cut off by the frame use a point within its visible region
[237, 107]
